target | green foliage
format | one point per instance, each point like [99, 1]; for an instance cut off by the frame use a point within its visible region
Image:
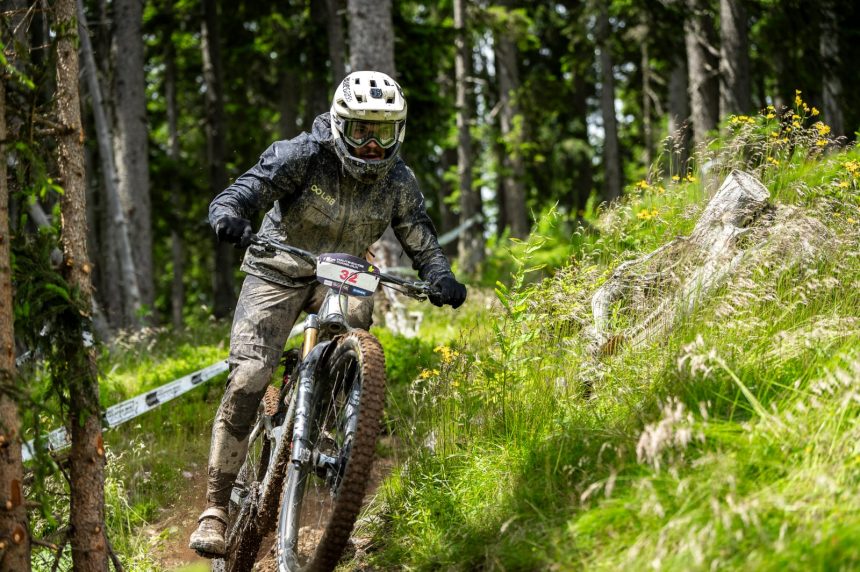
[554, 239]
[731, 442]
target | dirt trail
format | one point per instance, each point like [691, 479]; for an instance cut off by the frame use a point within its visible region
[180, 520]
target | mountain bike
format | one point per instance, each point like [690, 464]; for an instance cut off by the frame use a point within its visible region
[311, 448]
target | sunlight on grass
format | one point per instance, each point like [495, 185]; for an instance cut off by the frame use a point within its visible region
[731, 442]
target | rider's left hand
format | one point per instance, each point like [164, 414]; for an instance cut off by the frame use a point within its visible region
[448, 291]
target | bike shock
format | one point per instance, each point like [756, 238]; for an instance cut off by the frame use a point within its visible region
[312, 330]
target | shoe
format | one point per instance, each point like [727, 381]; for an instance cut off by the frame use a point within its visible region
[208, 540]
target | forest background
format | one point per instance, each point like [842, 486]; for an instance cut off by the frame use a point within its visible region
[515, 108]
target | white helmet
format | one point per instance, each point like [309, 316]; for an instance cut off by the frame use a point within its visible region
[368, 106]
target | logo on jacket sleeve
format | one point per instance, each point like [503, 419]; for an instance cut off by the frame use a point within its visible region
[317, 190]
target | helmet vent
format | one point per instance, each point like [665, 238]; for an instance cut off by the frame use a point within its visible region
[373, 83]
[385, 81]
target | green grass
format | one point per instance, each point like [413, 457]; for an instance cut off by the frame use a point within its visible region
[147, 456]
[730, 442]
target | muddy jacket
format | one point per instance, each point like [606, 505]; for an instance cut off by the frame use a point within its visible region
[318, 207]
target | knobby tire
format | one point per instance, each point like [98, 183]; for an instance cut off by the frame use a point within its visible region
[354, 367]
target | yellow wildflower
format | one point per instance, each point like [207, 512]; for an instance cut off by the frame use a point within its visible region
[783, 140]
[772, 161]
[814, 112]
[821, 142]
[690, 179]
[852, 167]
[850, 220]
[448, 354]
[770, 116]
[805, 108]
[642, 185]
[795, 124]
[844, 184]
[676, 178]
[661, 189]
[774, 134]
[795, 117]
[644, 214]
[822, 128]
[771, 108]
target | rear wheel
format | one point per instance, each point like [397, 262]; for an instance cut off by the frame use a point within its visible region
[323, 496]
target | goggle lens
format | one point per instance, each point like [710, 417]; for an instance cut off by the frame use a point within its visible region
[360, 133]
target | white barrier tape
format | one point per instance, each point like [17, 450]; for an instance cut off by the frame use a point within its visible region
[114, 415]
[129, 409]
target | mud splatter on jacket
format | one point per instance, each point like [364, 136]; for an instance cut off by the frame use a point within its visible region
[318, 207]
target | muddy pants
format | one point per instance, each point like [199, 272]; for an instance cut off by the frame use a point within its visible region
[265, 314]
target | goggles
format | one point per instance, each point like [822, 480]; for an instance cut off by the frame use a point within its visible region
[358, 133]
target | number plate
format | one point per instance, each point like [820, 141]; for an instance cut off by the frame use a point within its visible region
[348, 274]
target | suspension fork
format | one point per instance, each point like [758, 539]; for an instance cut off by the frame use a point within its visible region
[311, 354]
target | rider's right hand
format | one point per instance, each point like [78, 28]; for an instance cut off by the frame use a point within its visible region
[234, 230]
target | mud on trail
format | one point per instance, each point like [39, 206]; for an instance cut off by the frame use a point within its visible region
[180, 520]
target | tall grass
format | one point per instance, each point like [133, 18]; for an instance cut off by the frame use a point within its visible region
[730, 442]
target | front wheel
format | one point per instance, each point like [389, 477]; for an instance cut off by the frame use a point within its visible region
[323, 495]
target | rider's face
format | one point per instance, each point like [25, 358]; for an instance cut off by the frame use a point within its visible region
[370, 151]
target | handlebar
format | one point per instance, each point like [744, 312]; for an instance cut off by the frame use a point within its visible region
[416, 289]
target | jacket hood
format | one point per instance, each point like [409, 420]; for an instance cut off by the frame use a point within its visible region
[321, 130]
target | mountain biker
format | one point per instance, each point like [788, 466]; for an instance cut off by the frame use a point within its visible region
[335, 189]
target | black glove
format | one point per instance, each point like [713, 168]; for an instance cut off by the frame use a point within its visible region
[234, 230]
[447, 290]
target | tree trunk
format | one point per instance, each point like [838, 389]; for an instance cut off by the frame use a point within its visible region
[501, 199]
[371, 41]
[734, 59]
[210, 43]
[131, 141]
[336, 49]
[177, 243]
[515, 215]
[288, 103]
[471, 244]
[831, 107]
[318, 88]
[582, 90]
[128, 283]
[371, 36]
[611, 153]
[448, 217]
[647, 92]
[679, 116]
[701, 68]
[15, 555]
[86, 471]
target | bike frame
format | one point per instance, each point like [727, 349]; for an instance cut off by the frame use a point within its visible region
[293, 452]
